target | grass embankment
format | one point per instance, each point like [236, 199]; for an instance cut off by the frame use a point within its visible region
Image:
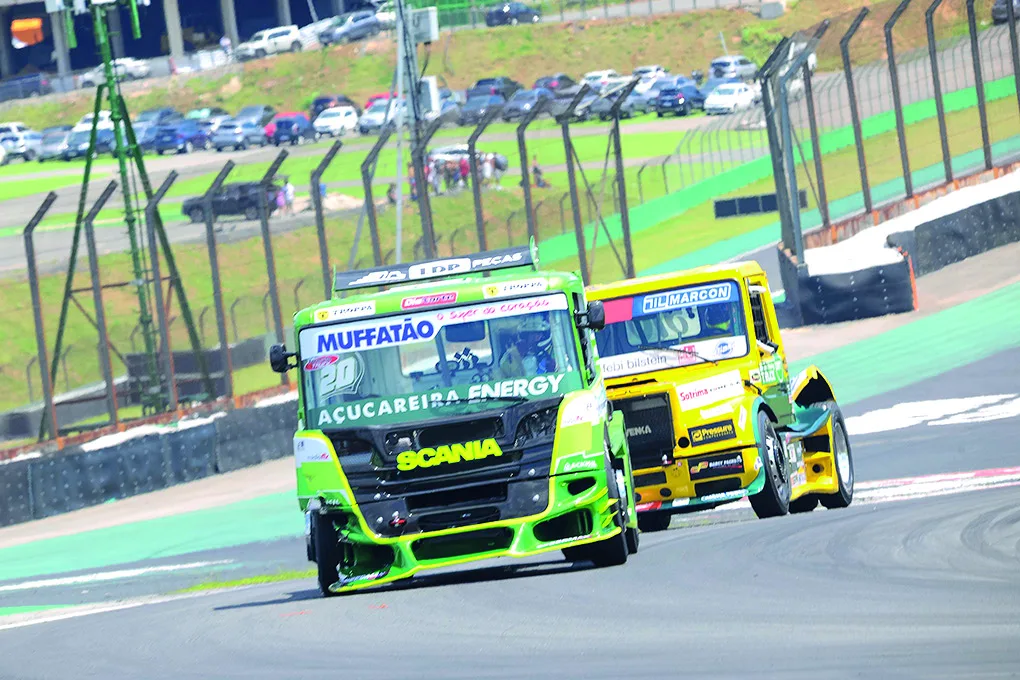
[680, 41]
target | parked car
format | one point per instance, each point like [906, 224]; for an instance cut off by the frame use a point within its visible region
[672, 100]
[473, 111]
[652, 72]
[522, 102]
[3, 155]
[336, 122]
[105, 121]
[206, 113]
[149, 121]
[258, 113]
[296, 130]
[732, 66]
[377, 115]
[386, 15]
[329, 101]
[269, 41]
[183, 137]
[729, 98]
[54, 144]
[213, 123]
[350, 27]
[448, 113]
[555, 82]
[597, 80]
[78, 143]
[234, 198]
[502, 86]
[381, 96]
[582, 112]
[21, 142]
[632, 105]
[271, 125]
[239, 135]
[31, 85]
[1000, 11]
[56, 128]
[511, 14]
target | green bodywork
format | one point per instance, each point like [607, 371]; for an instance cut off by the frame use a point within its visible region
[577, 508]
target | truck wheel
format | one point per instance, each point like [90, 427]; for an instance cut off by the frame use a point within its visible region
[654, 521]
[327, 553]
[774, 498]
[613, 551]
[844, 464]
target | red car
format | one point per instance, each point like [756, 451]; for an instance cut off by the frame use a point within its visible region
[271, 125]
[383, 96]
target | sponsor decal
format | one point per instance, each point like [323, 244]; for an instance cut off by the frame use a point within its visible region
[429, 270]
[742, 421]
[712, 433]
[430, 300]
[724, 496]
[716, 466]
[645, 507]
[381, 278]
[392, 409]
[380, 335]
[342, 376]
[710, 390]
[580, 465]
[724, 348]
[508, 288]
[681, 502]
[757, 462]
[677, 356]
[754, 375]
[772, 371]
[341, 312]
[321, 362]
[685, 297]
[798, 479]
[443, 455]
[310, 451]
[639, 431]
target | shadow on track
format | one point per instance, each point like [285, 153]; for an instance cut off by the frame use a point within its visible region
[483, 575]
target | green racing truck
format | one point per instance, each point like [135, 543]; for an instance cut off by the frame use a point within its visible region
[456, 413]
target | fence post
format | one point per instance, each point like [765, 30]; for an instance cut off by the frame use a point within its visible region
[621, 179]
[476, 178]
[320, 219]
[563, 212]
[522, 150]
[151, 215]
[940, 107]
[201, 323]
[49, 416]
[766, 75]
[855, 116]
[640, 188]
[894, 79]
[97, 297]
[297, 289]
[816, 149]
[214, 274]
[267, 247]
[367, 173]
[233, 317]
[665, 179]
[1014, 51]
[564, 120]
[424, 202]
[979, 83]
[28, 378]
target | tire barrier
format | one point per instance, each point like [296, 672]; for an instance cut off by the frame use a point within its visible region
[122, 465]
[866, 293]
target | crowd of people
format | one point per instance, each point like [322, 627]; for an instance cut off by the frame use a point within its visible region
[447, 176]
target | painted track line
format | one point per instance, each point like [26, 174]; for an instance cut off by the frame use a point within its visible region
[102, 577]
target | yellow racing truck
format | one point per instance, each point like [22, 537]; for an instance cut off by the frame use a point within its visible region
[695, 362]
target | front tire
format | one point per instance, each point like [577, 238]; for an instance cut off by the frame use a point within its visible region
[251, 213]
[327, 553]
[774, 498]
[844, 465]
[197, 215]
[613, 551]
[653, 521]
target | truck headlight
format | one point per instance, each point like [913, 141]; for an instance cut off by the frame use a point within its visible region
[536, 427]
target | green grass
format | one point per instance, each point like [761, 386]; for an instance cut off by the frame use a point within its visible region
[290, 82]
[250, 581]
[18, 188]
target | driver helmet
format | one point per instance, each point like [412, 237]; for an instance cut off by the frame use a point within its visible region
[536, 326]
[717, 317]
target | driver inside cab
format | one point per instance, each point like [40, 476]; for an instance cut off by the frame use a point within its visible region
[716, 320]
[531, 352]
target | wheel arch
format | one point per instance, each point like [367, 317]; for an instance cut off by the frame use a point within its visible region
[810, 386]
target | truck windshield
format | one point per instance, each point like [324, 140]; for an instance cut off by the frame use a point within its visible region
[428, 364]
[672, 328]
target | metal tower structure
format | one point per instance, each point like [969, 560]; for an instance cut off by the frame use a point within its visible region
[155, 388]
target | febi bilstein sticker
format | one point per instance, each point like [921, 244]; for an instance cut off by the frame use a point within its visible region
[430, 300]
[454, 453]
[712, 432]
[321, 362]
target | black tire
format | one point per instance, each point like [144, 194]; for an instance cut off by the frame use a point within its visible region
[659, 114]
[327, 553]
[159, 152]
[613, 551]
[804, 504]
[219, 149]
[296, 47]
[29, 156]
[251, 213]
[845, 495]
[197, 215]
[259, 54]
[653, 521]
[774, 498]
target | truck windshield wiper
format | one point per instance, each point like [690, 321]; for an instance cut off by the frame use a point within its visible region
[678, 350]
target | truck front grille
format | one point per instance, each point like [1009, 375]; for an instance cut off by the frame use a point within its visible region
[649, 424]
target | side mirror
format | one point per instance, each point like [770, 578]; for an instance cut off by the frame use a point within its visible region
[594, 318]
[279, 359]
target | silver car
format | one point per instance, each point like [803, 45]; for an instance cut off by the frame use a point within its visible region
[239, 134]
[732, 66]
[23, 144]
[54, 144]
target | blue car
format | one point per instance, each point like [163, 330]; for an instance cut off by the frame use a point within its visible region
[183, 137]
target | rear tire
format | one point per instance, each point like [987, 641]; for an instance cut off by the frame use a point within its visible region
[654, 521]
[804, 504]
[774, 498]
[251, 213]
[327, 553]
[844, 471]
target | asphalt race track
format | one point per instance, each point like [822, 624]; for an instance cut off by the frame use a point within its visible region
[919, 578]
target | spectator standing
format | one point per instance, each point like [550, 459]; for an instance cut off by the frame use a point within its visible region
[436, 179]
[465, 170]
[391, 194]
[281, 202]
[536, 172]
[225, 46]
[487, 169]
[288, 195]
